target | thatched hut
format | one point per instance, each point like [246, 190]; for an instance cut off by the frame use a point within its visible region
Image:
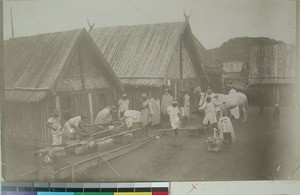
[150, 56]
[63, 70]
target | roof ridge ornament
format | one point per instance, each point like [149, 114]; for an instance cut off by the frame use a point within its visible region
[187, 17]
[90, 25]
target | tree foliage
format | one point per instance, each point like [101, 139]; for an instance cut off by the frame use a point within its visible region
[238, 49]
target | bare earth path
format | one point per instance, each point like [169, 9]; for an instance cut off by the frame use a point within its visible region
[256, 154]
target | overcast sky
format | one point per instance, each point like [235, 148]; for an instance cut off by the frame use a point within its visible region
[213, 21]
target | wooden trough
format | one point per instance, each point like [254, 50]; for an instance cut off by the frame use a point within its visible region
[71, 171]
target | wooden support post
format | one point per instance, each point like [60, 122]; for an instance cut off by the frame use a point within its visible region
[57, 103]
[180, 58]
[277, 94]
[81, 69]
[175, 90]
[91, 107]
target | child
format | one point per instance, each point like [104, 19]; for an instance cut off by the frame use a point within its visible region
[173, 112]
[276, 116]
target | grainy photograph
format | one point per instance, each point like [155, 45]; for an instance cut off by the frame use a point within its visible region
[140, 90]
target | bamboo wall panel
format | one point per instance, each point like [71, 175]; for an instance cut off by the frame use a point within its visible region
[272, 64]
[25, 122]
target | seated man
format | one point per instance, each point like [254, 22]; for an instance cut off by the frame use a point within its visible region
[131, 117]
[104, 117]
[73, 129]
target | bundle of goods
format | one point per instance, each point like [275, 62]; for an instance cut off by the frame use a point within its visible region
[214, 144]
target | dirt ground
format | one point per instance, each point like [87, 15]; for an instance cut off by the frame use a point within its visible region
[260, 152]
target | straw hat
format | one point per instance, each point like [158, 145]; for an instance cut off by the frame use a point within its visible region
[277, 105]
[124, 95]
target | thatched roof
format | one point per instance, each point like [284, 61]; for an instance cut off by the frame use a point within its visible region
[140, 55]
[33, 64]
[272, 64]
[210, 65]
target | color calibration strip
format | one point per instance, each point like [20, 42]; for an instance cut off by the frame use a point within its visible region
[26, 188]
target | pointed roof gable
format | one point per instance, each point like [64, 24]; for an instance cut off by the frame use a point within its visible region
[33, 64]
[140, 55]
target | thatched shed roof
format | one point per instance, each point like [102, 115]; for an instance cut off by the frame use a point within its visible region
[140, 55]
[272, 64]
[33, 64]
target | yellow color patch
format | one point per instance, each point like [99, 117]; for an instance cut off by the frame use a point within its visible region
[133, 193]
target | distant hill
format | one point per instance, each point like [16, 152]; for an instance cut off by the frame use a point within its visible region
[238, 49]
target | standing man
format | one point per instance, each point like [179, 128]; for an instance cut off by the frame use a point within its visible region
[210, 118]
[53, 124]
[166, 101]
[123, 104]
[173, 112]
[186, 106]
[146, 113]
[73, 129]
[155, 103]
[104, 117]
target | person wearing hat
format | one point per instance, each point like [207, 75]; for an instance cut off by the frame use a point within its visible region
[123, 104]
[53, 123]
[73, 129]
[173, 112]
[276, 116]
[104, 117]
[146, 113]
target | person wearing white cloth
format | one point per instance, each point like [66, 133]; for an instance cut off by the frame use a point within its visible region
[234, 111]
[173, 112]
[146, 113]
[166, 101]
[123, 104]
[53, 124]
[131, 117]
[155, 103]
[104, 118]
[210, 118]
[226, 130]
[73, 129]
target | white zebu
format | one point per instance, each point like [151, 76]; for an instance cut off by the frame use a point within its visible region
[230, 101]
[233, 100]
